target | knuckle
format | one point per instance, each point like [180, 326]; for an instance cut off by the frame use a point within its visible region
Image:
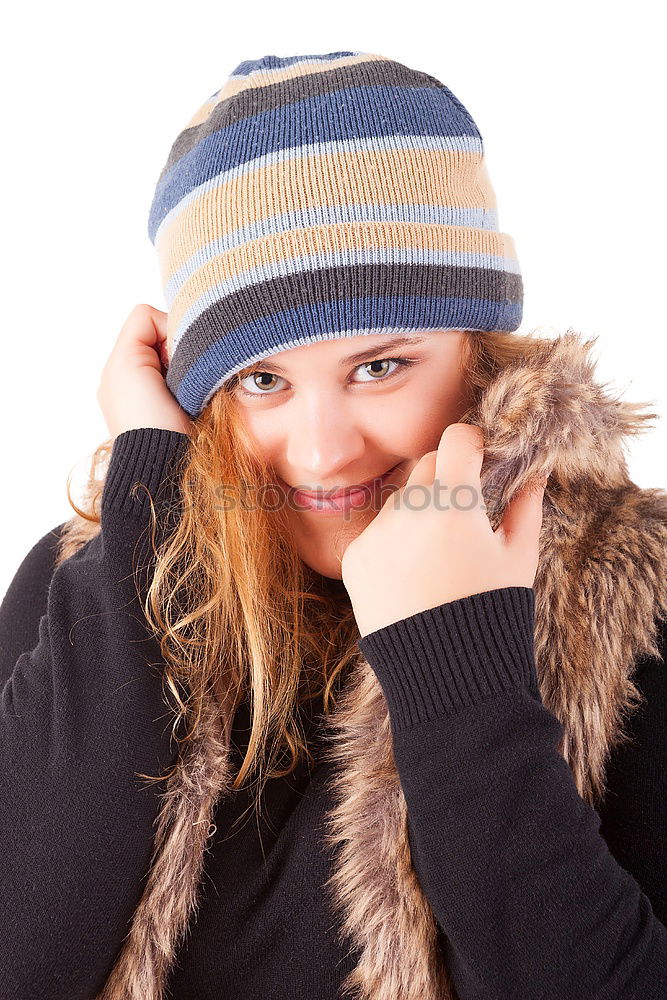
[139, 312]
[465, 432]
[457, 429]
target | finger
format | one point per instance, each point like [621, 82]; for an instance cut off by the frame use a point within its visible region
[145, 325]
[423, 472]
[459, 459]
[523, 515]
[160, 321]
[162, 344]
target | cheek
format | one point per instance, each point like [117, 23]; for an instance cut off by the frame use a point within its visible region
[415, 424]
[261, 435]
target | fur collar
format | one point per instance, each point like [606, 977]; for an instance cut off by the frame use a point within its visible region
[599, 590]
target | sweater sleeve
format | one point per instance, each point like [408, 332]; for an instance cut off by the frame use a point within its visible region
[82, 714]
[529, 900]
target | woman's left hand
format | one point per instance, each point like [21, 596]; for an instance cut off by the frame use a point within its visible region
[432, 542]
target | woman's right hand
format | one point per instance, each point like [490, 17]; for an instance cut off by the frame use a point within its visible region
[133, 392]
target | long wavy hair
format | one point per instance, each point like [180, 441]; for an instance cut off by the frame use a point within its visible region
[235, 610]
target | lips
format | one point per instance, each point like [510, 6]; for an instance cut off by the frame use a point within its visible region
[325, 494]
[352, 499]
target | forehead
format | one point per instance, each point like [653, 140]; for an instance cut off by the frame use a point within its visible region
[345, 350]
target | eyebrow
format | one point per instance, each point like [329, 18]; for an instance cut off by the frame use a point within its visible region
[370, 352]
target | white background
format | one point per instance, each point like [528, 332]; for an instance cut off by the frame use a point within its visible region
[569, 99]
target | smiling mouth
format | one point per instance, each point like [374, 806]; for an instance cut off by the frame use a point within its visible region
[340, 494]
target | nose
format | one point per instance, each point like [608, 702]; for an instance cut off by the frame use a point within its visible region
[323, 440]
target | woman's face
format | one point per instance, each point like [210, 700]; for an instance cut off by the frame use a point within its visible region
[337, 413]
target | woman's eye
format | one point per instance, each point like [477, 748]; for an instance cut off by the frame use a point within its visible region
[381, 376]
[265, 377]
[262, 381]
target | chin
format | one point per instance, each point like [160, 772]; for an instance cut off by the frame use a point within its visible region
[322, 552]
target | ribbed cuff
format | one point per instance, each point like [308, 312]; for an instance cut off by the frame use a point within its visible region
[443, 659]
[146, 455]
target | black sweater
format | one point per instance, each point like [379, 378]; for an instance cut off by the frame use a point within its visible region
[537, 895]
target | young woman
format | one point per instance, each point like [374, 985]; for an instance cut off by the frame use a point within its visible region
[405, 743]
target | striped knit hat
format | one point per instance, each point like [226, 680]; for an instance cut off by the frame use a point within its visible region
[324, 196]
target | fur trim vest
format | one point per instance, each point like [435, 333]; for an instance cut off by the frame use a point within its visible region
[599, 588]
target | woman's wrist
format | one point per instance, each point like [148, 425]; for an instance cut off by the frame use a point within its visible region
[446, 658]
[147, 456]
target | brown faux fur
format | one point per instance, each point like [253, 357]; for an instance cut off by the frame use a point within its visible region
[599, 590]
